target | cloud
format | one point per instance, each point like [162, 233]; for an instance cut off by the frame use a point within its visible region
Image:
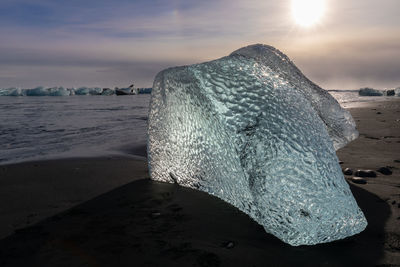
[354, 45]
[351, 60]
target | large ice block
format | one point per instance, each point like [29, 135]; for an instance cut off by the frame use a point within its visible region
[252, 130]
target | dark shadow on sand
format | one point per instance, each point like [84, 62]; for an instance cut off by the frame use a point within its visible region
[146, 223]
[136, 150]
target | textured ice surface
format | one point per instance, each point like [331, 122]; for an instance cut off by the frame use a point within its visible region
[251, 129]
[340, 124]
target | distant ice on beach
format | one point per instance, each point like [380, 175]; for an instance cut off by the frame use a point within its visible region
[61, 91]
[370, 92]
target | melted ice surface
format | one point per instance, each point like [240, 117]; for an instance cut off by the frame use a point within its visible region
[247, 129]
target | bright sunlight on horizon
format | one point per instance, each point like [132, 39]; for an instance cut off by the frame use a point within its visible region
[307, 13]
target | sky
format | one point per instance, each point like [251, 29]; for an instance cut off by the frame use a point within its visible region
[115, 43]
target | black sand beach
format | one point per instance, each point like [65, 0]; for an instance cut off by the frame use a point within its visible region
[106, 212]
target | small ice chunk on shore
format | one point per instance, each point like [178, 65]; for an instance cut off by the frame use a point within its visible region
[88, 91]
[369, 92]
[10, 91]
[42, 91]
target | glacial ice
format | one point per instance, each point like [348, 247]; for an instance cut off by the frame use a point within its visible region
[41, 91]
[88, 91]
[107, 91]
[369, 92]
[145, 90]
[61, 91]
[10, 91]
[251, 129]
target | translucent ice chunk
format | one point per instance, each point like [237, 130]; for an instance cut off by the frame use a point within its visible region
[340, 124]
[248, 128]
[10, 91]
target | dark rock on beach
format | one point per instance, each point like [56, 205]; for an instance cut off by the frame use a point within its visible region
[347, 171]
[365, 173]
[390, 92]
[385, 170]
[358, 180]
[229, 244]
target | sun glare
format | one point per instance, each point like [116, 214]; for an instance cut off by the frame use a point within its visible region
[307, 12]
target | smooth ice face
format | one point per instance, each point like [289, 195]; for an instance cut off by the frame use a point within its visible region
[246, 129]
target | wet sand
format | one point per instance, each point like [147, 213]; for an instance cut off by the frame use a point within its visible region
[378, 146]
[106, 212]
[32, 191]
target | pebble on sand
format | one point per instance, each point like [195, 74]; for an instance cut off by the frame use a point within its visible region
[347, 171]
[358, 180]
[155, 214]
[365, 173]
[385, 170]
[229, 244]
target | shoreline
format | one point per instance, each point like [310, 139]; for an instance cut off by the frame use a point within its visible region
[104, 211]
[369, 103]
[378, 145]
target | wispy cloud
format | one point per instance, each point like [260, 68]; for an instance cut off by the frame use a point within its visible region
[354, 44]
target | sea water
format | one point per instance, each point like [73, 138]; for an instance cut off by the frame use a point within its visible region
[47, 127]
[351, 98]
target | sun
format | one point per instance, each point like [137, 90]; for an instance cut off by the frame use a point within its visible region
[307, 12]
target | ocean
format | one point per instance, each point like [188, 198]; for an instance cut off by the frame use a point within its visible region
[48, 127]
[45, 127]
